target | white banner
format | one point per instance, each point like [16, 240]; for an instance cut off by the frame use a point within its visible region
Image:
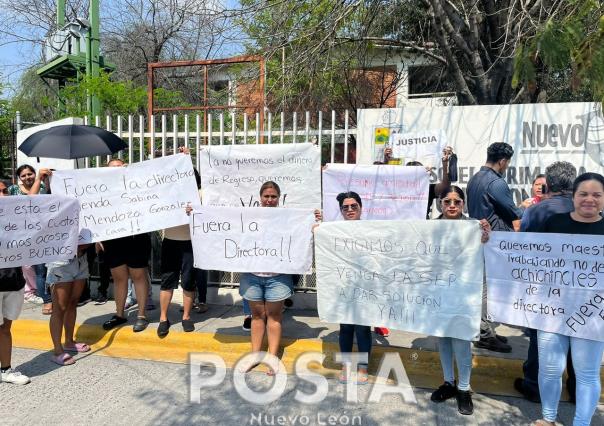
[37, 229]
[419, 276]
[388, 192]
[238, 239]
[539, 133]
[120, 201]
[231, 175]
[550, 282]
[425, 147]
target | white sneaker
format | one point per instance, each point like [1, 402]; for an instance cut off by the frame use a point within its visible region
[32, 298]
[13, 376]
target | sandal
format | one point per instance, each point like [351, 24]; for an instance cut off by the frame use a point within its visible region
[47, 309]
[63, 359]
[77, 347]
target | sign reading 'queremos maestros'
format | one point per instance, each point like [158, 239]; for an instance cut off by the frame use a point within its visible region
[120, 201]
[539, 133]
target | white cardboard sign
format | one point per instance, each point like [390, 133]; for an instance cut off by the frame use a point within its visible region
[37, 229]
[425, 146]
[387, 192]
[240, 239]
[550, 282]
[231, 175]
[120, 201]
[419, 276]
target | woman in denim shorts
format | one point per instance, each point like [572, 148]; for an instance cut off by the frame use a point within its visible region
[66, 281]
[266, 292]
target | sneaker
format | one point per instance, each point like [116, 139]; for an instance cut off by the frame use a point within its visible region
[129, 303]
[526, 393]
[202, 308]
[247, 324]
[32, 298]
[501, 338]
[464, 402]
[163, 328]
[493, 344]
[15, 377]
[382, 331]
[115, 321]
[100, 300]
[444, 392]
[83, 302]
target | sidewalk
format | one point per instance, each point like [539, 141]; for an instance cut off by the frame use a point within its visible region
[219, 331]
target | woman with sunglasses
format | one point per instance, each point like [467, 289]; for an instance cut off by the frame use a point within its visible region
[35, 276]
[452, 203]
[351, 208]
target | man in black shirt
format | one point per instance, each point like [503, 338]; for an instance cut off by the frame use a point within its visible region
[490, 198]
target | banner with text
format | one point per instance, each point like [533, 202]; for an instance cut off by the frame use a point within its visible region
[388, 192]
[550, 282]
[241, 239]
[37, 229]
[120, 201]
[419, 276]
[425, 147]
[231, 175]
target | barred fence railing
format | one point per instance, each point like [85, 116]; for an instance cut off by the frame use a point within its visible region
[163, 134]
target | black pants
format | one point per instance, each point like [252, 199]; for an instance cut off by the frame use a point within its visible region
[104, 271]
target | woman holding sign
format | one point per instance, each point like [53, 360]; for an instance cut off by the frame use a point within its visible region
[588, 200]
[452, 202]
[351, 208]
[266, 292]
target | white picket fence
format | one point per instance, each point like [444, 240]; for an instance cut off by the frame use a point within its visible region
[146, 139]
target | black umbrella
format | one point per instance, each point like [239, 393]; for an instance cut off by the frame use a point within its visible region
[71, 141]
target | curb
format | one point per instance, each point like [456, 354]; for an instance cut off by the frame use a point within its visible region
[490, 375]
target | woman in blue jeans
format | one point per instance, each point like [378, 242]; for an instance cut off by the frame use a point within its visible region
[351, 208]
[266, 292]
[588, 200]
[452, 202]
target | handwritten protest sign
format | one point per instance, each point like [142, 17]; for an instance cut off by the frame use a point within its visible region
[231, 175]
[388, 192]
[37, 229]
[418, 276]
[425, 146]
[240, 239]
[551, 282]
[120, 201]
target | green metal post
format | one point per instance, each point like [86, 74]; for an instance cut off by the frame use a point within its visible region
[60, 13]
[88, 74]
[95, 47]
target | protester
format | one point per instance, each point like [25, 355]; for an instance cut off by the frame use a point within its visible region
[12, 287]
[452, 163]
[35, 276]
[66, 280]
[588, 200]
[266, 292]
[537, 191]
[351, 208]
[452, 203]
[490, 198]
[128, 257]
[177, 264]
[559, 178]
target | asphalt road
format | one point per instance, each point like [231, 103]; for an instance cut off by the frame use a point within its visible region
[101, 390]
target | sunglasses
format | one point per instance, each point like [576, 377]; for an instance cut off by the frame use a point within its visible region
[455, 202]
[353, 207]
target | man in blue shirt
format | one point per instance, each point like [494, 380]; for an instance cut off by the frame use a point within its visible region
[559, 178]
[490, 198]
